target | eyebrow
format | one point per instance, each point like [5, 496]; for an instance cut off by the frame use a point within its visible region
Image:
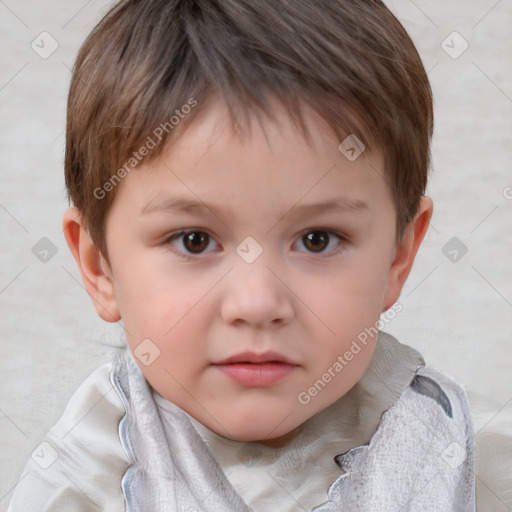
[186, 205]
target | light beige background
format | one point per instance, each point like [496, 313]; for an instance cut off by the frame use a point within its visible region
[458, 314]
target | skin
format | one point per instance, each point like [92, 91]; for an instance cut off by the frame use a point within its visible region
[306, 301]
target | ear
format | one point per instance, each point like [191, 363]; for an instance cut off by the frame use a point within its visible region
[406, 251]
[96, 275]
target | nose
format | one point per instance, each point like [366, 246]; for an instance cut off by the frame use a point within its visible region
[256, 296]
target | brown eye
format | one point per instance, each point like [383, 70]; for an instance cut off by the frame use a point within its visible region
[196, 241]
[316, 241]
[191, 243]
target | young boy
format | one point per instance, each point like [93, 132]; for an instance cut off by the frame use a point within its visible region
[248, 185]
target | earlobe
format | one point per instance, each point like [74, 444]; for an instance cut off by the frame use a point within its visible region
[95, 273]
[406, 252]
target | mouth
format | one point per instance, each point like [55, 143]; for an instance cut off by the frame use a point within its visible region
[256, 358]
[250, 369]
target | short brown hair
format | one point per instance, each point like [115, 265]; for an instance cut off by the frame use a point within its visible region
[351, 61]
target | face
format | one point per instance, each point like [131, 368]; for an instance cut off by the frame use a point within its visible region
[244, 271]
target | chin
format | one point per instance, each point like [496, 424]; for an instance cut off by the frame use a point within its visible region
[260, 435]
[240, 432]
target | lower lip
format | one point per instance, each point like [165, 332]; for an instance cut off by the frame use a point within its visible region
[257, 375]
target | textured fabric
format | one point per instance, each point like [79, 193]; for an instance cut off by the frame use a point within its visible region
[420, 459]
[122, 447]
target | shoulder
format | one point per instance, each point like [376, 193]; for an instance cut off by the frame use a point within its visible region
[422, 452]
[433, 390]
[432, 419]
[80, 463]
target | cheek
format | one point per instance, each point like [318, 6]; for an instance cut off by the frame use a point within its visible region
[349, 298]
[167, 310]
[140, 283]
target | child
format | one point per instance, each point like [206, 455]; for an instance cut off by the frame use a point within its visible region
[247, 180]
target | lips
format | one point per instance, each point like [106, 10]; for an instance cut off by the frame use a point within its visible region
[254, 357]
[254, 370]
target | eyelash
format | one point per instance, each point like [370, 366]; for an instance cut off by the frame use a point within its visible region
[191, 256]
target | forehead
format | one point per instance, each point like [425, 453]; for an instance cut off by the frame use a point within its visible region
[272, 161]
